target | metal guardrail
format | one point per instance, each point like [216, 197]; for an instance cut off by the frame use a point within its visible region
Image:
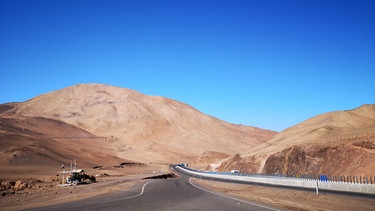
[312, 184]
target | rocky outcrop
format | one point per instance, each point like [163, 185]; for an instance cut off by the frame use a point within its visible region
[333, 159]
[335, 143]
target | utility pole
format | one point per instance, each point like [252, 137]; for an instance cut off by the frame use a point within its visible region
[63, 174]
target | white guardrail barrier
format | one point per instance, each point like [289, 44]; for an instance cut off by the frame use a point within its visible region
[347, 187]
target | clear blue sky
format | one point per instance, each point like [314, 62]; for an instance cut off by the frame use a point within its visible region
[270, 64]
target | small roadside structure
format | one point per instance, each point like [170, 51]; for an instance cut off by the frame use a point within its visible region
[76, 176]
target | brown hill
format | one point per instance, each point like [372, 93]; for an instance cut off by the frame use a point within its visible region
[339, 143]
[134, 126]
[29, 142]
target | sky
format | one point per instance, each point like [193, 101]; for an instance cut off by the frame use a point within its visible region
[265, 63]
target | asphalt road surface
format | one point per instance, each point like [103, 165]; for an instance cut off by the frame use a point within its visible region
[161, 194]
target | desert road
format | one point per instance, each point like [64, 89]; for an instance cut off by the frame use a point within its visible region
[161, 194]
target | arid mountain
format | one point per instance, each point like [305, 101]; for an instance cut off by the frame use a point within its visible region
[27, 142]
[123, 123]
[336, 143]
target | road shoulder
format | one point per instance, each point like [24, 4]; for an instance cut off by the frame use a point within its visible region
[287, 198]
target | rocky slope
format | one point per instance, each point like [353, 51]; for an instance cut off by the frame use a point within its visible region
[128, 124]
[336, 143]
[29, 142]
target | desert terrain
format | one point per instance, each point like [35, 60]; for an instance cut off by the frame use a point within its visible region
[138, 127]
[340, 143]
[48, 192]
[120, 136]
[287, 199]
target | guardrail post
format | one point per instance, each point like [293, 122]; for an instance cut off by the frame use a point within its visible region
[291, 182]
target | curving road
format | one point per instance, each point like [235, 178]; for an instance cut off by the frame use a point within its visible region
[167, 194]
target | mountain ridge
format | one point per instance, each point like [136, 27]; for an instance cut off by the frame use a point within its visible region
[308, 147]
[149, 129]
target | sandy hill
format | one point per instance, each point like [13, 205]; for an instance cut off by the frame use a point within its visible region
[341, 142]
[126, 123]
[29, 142]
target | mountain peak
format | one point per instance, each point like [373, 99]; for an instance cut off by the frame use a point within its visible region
[137, 123]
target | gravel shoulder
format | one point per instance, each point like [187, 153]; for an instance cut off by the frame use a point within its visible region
[289, 199]
[49, 193]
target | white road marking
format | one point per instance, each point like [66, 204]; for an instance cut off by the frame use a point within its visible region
[243, 201]
[140, 194]
[102, 202]
[129, 197]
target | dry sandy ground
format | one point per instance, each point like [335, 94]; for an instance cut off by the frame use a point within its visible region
[290, 199]
[48, 193]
